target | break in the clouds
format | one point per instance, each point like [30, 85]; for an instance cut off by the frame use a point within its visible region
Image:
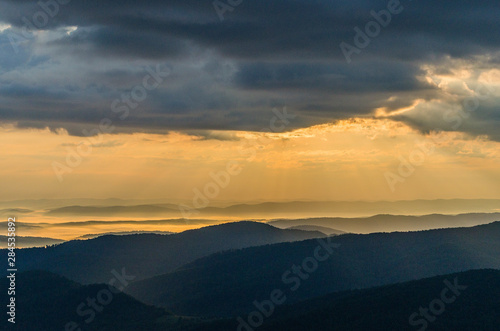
[67, 70]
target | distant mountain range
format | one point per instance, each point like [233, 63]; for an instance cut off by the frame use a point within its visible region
[371, 224]
[391, 223]
[286, 209]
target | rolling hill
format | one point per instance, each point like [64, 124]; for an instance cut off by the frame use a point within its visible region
[48, 302]
[390, 308]
[147, 255]
[227, 283]
[323, 229]
[453, 302]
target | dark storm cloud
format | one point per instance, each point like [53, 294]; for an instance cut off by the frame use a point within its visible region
[111, 41]
[336, 77]
[269, 29]
[230, 73]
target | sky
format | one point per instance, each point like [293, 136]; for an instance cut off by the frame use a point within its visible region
[250, 100]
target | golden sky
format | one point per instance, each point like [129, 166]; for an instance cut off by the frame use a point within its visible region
[346, 160]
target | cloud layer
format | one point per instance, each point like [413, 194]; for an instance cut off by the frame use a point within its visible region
[65, 68]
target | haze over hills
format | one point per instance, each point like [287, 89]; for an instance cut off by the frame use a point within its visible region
[63, 219]
[57, 203]
[410, 207]
[391, 223]
[146, 255]
[115, 210]
[26, 242]
[72, 229]
[379, 223]
[293, 208]
[207, 286]
[14, 211]
[122, 233]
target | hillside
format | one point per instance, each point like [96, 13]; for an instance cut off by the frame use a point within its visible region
[147, 255]
[323, 229]
[51, 302]
[48, 302]
[208, 285]
[389, 308]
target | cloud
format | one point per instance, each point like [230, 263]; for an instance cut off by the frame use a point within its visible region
[214, 135]
[229, 74]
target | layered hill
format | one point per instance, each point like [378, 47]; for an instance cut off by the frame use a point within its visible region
[228, 283]
[391, 223]
[147, 255]
[409, 306]
[48, 302]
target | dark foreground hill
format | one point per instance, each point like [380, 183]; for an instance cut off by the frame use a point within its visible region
[147, 255]
[48, 302]
[227, 284]
[456, 302]
[472, 305]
